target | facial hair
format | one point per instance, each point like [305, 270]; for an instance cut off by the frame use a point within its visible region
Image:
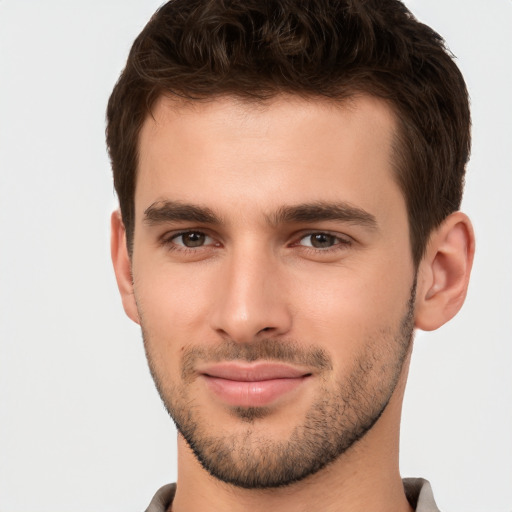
[336, 420]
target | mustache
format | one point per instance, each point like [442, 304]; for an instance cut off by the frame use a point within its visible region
[286, 351]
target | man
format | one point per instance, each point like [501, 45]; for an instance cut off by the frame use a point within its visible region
[289, 175]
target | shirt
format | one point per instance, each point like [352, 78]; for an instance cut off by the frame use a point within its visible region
[417, 490]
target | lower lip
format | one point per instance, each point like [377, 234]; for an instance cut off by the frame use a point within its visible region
[252, 394]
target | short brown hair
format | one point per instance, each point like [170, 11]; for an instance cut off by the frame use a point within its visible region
[199, 49]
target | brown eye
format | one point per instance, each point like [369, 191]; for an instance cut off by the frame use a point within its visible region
[191, 239]
[320, 240]
[323, 241]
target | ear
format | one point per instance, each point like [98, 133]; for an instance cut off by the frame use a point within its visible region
[443, 275]
[122, 265]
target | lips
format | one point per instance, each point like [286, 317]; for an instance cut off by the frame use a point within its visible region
[252, 385]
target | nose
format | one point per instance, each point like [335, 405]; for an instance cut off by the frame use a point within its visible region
[252, 301]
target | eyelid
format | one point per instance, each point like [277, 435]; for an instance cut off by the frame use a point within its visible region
[168, 240]
[341, 236]
[180, 235]
[343, 242]
[169, 237]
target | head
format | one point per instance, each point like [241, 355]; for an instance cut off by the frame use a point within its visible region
[320, 49]
[288, 174]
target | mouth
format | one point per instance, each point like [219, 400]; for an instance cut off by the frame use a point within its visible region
[252, 384]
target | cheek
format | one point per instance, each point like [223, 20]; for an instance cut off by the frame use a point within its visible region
[346, 311]
[171, 303]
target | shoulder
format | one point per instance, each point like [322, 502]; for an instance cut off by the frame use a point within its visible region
[162, 499]
[420, 496]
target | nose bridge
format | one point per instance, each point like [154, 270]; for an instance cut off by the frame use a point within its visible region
[252, 298]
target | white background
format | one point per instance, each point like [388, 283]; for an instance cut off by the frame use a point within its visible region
[81, 427]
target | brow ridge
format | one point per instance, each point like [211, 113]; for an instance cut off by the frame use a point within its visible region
[169, 211]
[323, 211]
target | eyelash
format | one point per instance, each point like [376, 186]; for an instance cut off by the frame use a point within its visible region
[171, 245]
[340, 242]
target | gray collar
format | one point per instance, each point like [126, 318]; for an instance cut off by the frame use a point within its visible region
[417, 490]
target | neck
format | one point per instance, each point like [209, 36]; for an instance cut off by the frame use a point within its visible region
[366, 477]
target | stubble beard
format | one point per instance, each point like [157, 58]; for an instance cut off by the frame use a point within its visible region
[333, 423]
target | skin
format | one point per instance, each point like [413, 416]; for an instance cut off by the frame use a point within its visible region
[255, 277]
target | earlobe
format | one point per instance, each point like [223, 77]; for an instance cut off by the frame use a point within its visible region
[122, 265]
[444, 271]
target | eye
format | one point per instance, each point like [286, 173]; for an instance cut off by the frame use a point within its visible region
[322, 241]
[191, 239]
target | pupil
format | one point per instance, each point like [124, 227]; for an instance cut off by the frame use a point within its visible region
[193, 239]
[322, 240]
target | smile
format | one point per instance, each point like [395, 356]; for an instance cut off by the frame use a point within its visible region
[252, 385]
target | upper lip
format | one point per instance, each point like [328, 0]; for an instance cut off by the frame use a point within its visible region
[252, 372]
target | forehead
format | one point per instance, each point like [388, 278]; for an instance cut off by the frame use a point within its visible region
[229, 151]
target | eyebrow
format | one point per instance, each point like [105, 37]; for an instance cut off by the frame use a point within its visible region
[324, 211]
[175, 211]
[169, 211]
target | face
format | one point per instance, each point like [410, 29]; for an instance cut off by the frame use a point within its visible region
[272, 278]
